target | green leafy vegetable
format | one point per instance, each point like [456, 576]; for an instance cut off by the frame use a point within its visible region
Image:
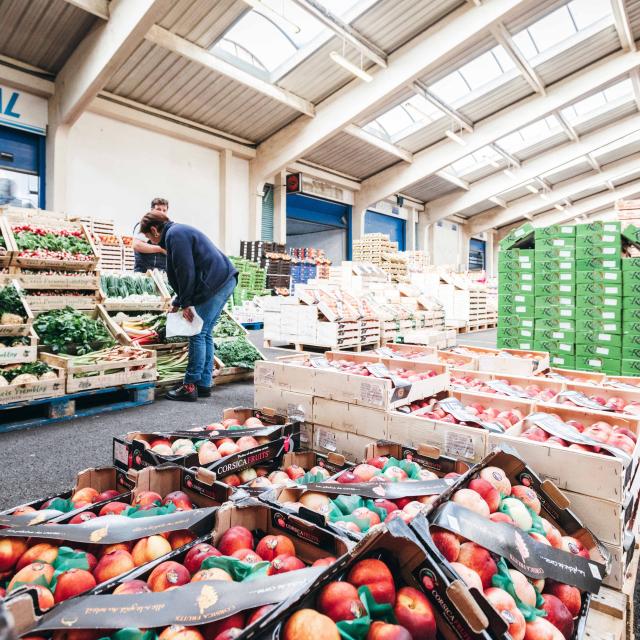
[238, 353]
[227, 327]
[70, 332]
[32, 368]
[11, 302]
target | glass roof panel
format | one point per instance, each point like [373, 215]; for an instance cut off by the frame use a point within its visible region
[476, 160]
[601, 101]
[532, 133]
[274, 30]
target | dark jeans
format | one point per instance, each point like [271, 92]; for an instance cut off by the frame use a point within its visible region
[201, 347]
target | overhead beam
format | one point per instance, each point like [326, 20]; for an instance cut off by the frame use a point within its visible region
[505, 39]
[595, 165]
[344, 30]
[635, 85]
[26, 80]
[419, 88]
[322, 173]
[566, 127]
[449, 177]
[501, 202]
[511, 159]
[100, 54]
[183, 47]
[443, 154]
[374, 140]
[406, 64]
[623, 25]
[563, 191]
[497, 182]
[99, 8]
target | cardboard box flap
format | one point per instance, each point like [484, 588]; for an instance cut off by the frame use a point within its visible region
[468, 608]
[562, 502]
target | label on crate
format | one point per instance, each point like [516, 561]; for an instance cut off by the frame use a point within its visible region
[372, 394]
[386, 352]
[609, 276]
[320, 363]
[402, 386]
[609, 251]
[566, 276]
[604, 337]
[121, 453]
[567, 313]
[581, 400]
[459, 445]
[595, 363]
[557, 428]
[29, 519]
[302, 530]
[388, 490]
[532, 558]
[114, 529]
[506, 390]
[565, 347]
[566, 301]
[557, 335]
[460, 413]
[198, 602]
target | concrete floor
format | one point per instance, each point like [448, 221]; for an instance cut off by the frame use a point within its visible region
[43, 461]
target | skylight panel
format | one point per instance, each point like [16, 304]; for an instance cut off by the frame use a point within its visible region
[588, 12]
[477, 160]
[552, 29]
[451, 88]
[532, 133]
[598, 102]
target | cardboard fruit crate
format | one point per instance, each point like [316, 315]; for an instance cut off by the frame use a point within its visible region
[592, 474]
[28, 262]
[20, 353]
[608, 366]
[511, 361]
[600, 275]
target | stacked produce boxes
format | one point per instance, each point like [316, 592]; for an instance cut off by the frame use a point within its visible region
[555, 293]
[599, 297]
[516, 309]
[630, 344]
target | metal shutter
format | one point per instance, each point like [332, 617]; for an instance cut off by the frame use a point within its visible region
[267, 213]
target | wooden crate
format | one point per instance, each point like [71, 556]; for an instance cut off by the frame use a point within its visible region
[13, 219]
[18, 329]
[21, 353]
[34, 390]
[40, 304]
[111, 256]
[5, 259]
[85, 280]
[162, 304]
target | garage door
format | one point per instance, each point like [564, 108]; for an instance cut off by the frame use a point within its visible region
[321, 224]
[395, 228]
[22, 157]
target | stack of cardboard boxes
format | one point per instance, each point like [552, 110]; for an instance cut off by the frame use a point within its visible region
[555, 293]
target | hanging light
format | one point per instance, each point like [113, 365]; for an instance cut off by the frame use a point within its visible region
[531, 188]
[544, 196]
[558, 206]
[349, 66]
[507, 172]
[494, 163]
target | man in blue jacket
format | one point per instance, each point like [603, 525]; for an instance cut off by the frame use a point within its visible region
[203, 279]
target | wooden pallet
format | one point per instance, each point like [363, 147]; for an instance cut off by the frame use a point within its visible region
[298, 346]
[472, 328]
[45, 411]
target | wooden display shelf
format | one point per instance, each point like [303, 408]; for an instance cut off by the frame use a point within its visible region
[49, 388]
[23, 329]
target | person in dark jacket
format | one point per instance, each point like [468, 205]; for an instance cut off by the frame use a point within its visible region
[203, 279]
[149, 256]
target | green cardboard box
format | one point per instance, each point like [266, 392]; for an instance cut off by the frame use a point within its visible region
[631, 288]
[598, 326]
[518, 237]
[555, 347]
[508, 320]
[596, 275]
[630, 367]
[562, 361]
[558, 335]
[598, 251]
[520, 333]
[590, 228]
[550, 346]
[599, 350]
[558, 313]
[613, 239]
[630, 340]
[555, 231]
[632, 234]
[514, 343]
[516, 287]
[630, 276]
[515, 276]
[631, 327]
[516, 298]
[514, 265]
[598, 313]
[631, 353]
[543, 276]
[594, 300]
[556, 265]
[601, 338]
[630, 264]
[556, 324]
[521, 310]
[555, 289]
[631, 302]
[630, 314]
[555, 242]
[555, 301]
[598, 264]
[556, 253]
[519, 255]
[611, 366]
[600, 289]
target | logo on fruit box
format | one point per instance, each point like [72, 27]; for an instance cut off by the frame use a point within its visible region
[69, 622]
[428, 579]
[207, 598]
[525, 479]
[521, 546]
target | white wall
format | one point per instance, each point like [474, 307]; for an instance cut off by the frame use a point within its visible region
[114, 169]
[446, 243]
[238, 225]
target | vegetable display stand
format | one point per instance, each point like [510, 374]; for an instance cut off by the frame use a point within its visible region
[109, 248]
[56, 280]
[45, 387]
[19, 349]
[6, 249]
[107, 371]
[128, 255]
[132, 292]
[16, 318]
[45, 411]
[39, 242]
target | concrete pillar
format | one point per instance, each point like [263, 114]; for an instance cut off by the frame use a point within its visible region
[56, 158]
[491, 253]
[280, 207]
[357, 223]
[463, 248]
[430, 241]
[256, 191]
[225, 207]
[411, 230]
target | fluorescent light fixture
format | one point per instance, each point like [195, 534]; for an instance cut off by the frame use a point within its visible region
[558, 206]
[455, 137]
[509, 174]
[494, 163]
[279, 19]
[531, 188]
[543, 195]
[349, 66]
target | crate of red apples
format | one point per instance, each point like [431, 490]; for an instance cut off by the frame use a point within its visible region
[589, 452]
[537, 389]
[221, 583]
[515, 362]
[393, 482]
[602, 398]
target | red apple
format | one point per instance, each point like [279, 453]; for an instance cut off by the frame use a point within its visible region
[479, 559]
[506, 606]
[385, 631]
[197, 554]
[374, 574]
[283, 564]
[340, 601]
[472, 501]
[235, 538]
[448, 543]
[414, 612]
[558, 615]
[487, 491]
[272, 546]
[568, 595]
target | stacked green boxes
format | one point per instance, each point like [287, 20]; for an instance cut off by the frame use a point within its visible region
[630, 363]
[599, 299]
[252, 281]
[555, 294]
[516, 293]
